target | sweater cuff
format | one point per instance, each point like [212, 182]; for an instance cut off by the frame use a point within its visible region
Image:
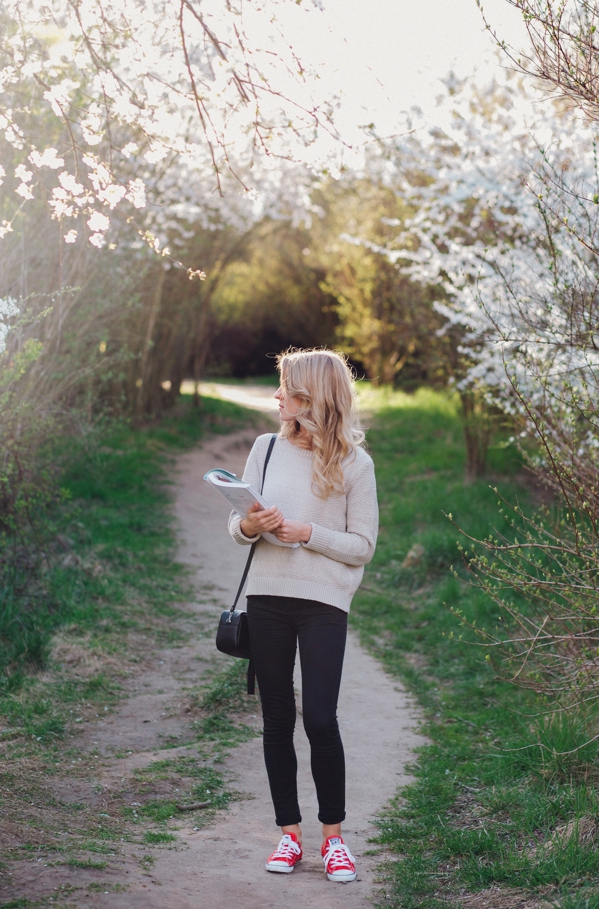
[320, 539]
[239, 536]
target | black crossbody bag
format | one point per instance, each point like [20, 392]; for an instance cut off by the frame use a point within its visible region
[233, 634]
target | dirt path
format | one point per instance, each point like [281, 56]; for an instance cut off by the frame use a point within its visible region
[225, 862]
[221, 865]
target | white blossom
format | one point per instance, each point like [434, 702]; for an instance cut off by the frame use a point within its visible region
[136, 193]
[59, 205]
[24, 191]
[21, 173]
[70, 184]
[112, 194]
[129, 149]
[8, 308]
[98, 222]
[48, 158]
[187, 120]
[488, 230]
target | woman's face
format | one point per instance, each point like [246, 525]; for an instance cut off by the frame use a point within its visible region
[289, 406]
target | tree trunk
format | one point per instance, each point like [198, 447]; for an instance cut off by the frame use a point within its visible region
[477, 424]
[143, 391]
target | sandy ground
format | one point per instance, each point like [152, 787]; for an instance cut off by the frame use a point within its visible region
[223, 865]
[256, 397]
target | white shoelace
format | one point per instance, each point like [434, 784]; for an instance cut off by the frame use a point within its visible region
[338, 856]
[287, 848]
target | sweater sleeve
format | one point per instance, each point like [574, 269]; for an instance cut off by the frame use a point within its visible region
[251, 474]
[356, 545]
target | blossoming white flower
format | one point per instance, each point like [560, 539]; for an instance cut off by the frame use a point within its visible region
[22, 174]
[112, 195]
[58, 96]
[68, 182]
[8, 308]
[136, 193]
[99, 173]
[129, 149]
[60, 209]
[24, 190]
[48, 158]
[70, 237]
[98, 222]
[98, 240]
[155, 154]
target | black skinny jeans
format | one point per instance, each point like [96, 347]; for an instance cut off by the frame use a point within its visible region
[276, 625]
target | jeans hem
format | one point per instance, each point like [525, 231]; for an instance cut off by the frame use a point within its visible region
[328, 821]
[286, 823]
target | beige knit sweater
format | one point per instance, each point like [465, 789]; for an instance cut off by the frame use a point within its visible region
[330, 566]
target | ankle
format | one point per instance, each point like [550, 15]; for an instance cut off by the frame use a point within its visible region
[330, 830]
[295, 829]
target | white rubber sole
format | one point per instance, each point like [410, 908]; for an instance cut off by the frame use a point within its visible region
[343, 879]
[279, 868]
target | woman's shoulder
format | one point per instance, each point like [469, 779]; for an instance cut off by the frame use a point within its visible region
[362, 456]
[259, 448]
[358, 462]
[262, 442]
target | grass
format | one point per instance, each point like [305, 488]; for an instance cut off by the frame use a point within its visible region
[492, 803]
[112, 567]
[112, 593]
[111, 537]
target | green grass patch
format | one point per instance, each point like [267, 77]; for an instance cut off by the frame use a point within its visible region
[221, 704]
[195, 780]
[111, 566]
[492, 803]
[155, 837]
[106, 887]
[109, 542]
[111, 592]
[85, 863]
[17, 904]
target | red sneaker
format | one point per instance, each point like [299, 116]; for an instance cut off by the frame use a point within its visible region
[338, 860]
[286, 856]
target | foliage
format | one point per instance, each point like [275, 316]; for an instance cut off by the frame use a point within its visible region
[108, 522]
[386, 322]
[172, 108]
[526, 299]
[542, 573]
[561, 54]
[126, 600]
[493, 806]
[270, 298]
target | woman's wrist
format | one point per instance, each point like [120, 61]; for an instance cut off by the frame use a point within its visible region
[246, 531]
[307, 533]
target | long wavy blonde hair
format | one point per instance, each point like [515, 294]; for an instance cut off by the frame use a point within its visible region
[324, 384]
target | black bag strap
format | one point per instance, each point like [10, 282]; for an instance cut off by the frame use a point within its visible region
[251, 678]
[251, 555]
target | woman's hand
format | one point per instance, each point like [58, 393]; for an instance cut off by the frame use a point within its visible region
[293, 532]
[261, 520]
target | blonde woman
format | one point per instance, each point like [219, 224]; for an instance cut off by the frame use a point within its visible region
[323, 486]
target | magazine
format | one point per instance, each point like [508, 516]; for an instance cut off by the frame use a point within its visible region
[241, 496]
